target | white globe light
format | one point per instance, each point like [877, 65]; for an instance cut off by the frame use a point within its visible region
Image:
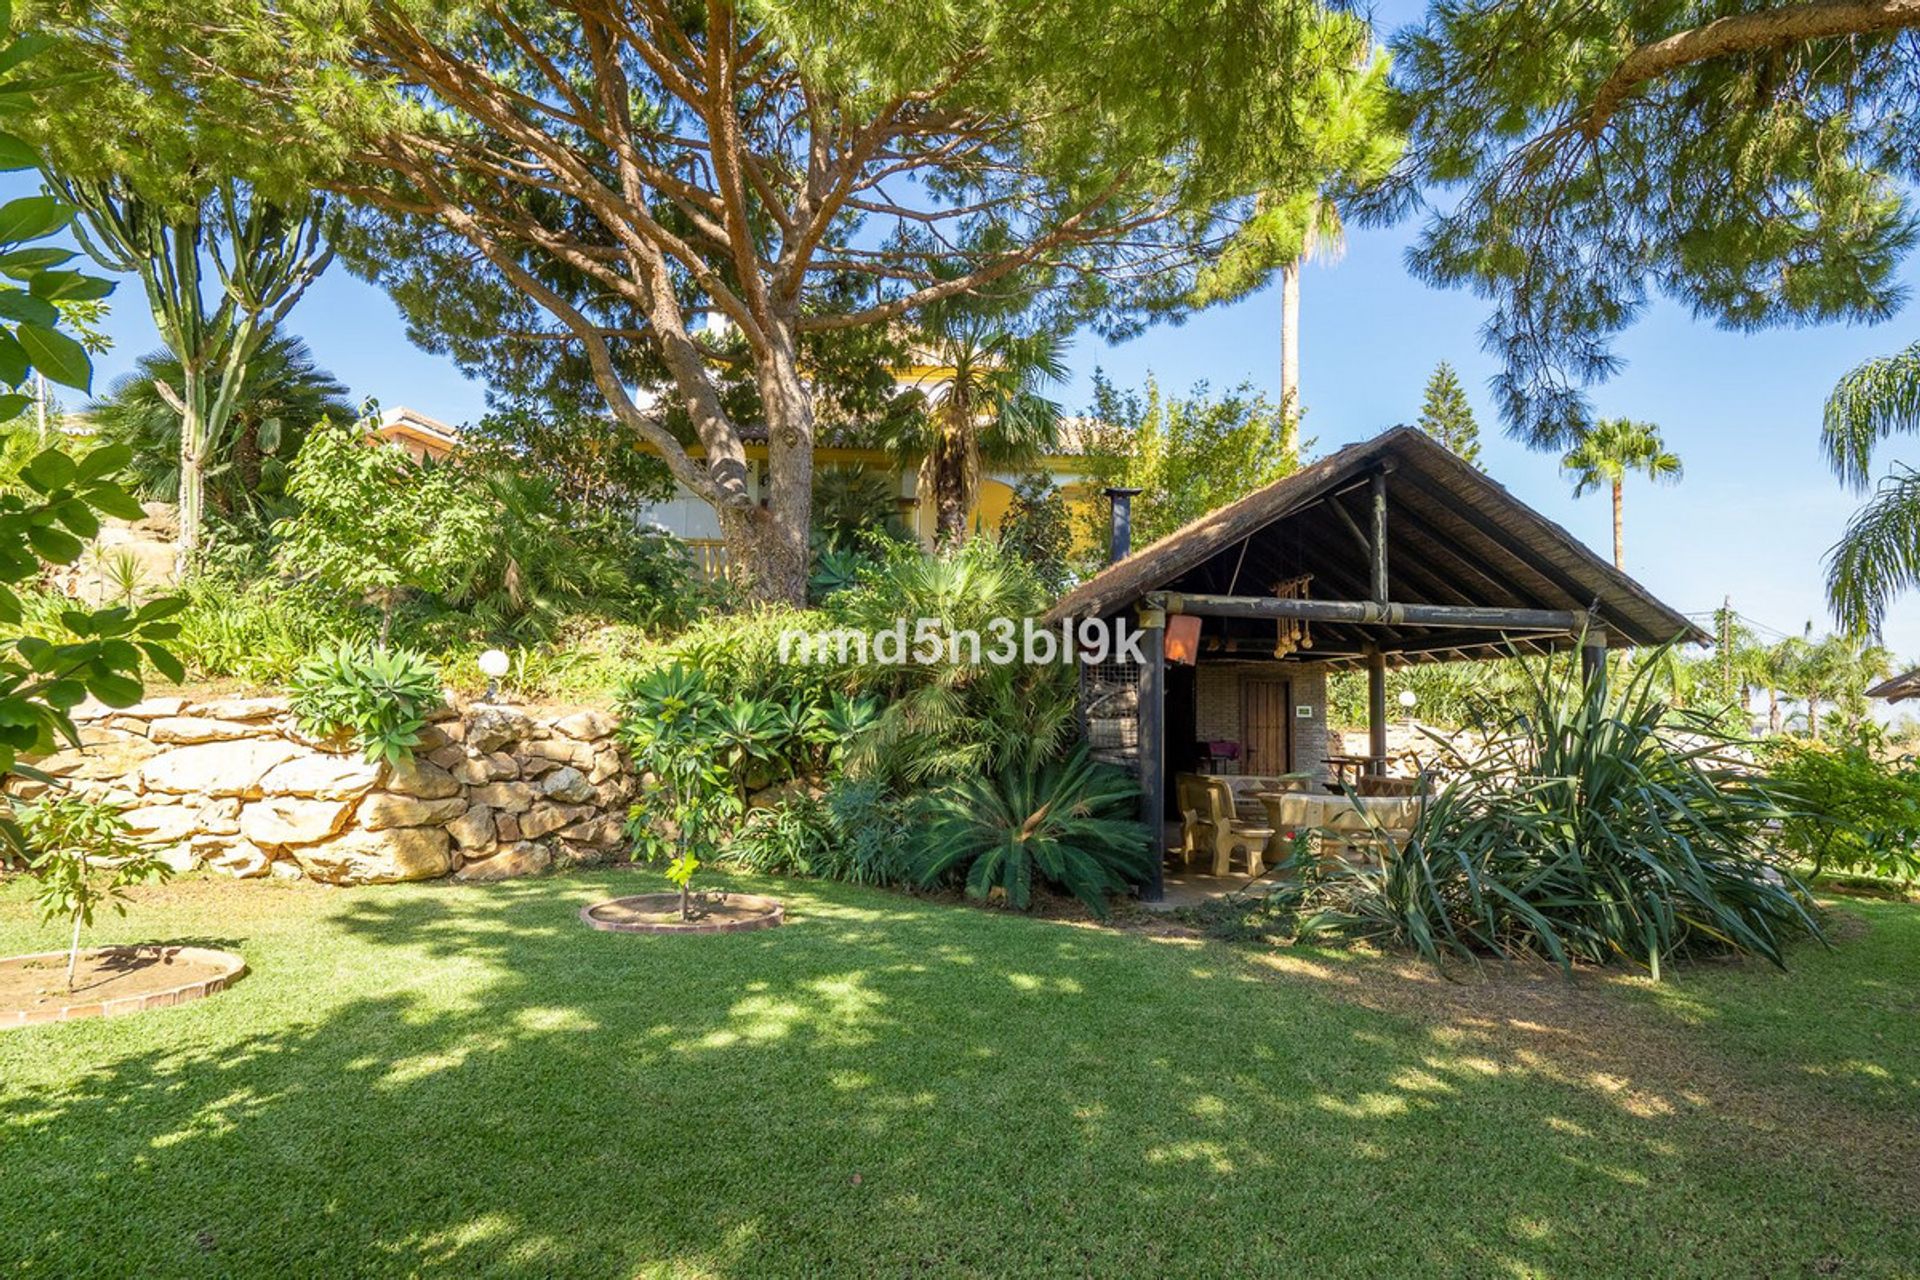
[494, 663]
[1408, 698]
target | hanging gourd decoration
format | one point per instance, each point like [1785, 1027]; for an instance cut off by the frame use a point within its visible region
[1292, 633]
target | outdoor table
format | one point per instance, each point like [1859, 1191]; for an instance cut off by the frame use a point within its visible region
[1342, 764]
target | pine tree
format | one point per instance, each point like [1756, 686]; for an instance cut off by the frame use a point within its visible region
[1447, 417]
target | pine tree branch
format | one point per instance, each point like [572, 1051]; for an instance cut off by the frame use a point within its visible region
[1744, 33]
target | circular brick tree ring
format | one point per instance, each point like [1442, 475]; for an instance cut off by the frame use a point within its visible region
[660, 913]
[110, 981]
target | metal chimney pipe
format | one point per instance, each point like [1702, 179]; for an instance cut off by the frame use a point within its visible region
[1120, 541]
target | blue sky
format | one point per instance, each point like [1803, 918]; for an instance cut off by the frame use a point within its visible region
[1752, 518]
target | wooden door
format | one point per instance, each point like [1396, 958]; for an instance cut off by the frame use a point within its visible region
[1266, 726]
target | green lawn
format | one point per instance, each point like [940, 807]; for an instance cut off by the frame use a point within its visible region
[465, 1080]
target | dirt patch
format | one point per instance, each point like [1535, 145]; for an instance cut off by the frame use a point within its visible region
[660, 913]
[109, 981]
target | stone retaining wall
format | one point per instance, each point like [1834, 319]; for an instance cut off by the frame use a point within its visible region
[232, 784]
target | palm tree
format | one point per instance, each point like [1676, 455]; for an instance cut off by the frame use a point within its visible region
[1879, 554]
[983, 408]
[1323, 238]
[1608, 452]
[283, 393]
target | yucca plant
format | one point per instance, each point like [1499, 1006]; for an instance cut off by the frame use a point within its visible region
[1589, 829]
[1067, 822]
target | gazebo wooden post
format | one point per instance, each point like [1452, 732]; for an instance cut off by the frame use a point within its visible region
[1593, 657]
[1376, 660]
[1152, 750]
[1376, 710]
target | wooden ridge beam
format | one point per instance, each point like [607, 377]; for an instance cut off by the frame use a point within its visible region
[1373, 613]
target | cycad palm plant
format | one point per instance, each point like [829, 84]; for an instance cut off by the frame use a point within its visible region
[1879, 554]
[283, 393]
[983, 408]
[1607, 454]
[1066, 822]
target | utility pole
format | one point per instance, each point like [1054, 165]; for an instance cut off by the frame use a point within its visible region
[1726, 647]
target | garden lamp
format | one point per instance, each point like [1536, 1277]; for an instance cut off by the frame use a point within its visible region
[493, 665]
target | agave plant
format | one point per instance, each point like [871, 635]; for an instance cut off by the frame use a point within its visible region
[1588, 829]
[1067, 822]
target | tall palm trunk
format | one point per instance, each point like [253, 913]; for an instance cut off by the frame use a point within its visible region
[1619, 531]
[1773, 711]
[1290, 358]
[951, 464]
[193, 473]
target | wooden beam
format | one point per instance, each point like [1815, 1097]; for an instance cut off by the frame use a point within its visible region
[1377, 547]
[1372, 613]
[1152, 750]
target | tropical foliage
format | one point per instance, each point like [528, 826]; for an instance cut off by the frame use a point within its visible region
[374, 523]
[1878, 556]
[981, 407]
[1068, 823]
[1850, 809]
[1588, 829]
[1604, 455]
[379, 697]
[282, 392]
[958, 714]
[69, 839]
[1187, 455]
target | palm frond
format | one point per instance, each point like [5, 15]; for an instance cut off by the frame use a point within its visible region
[1878, 556]
[1873, 401]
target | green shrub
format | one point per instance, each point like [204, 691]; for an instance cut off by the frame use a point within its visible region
[667, 724]
[374, 523]
[1850, 810]
[947, 719]
[1068, 823]
[380, 696]
[791, 837]
[857, 833]
[870, 830]
[260, 628]
[68, 840]
[1587, 829]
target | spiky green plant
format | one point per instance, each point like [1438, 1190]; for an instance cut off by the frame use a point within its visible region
[1067, 822]
[1588, 829]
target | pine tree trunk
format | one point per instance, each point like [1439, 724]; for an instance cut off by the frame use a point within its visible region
[1290, 358]
[769, 542]
[1619, 532]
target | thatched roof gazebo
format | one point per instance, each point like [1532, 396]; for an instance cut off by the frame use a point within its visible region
[1387, 553]
[1898, 688]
